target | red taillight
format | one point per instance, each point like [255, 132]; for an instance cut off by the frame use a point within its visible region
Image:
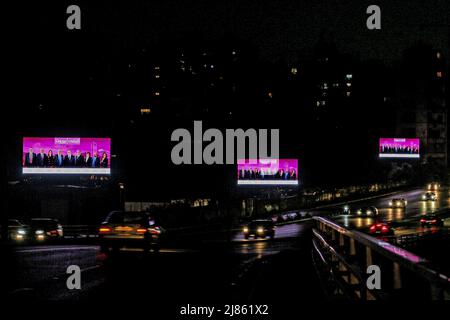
[379, 225]
[372, 228]
[423, 220]
[433, 221]
[102, 230]
[384, 229]
[155, 230]
[141, 230]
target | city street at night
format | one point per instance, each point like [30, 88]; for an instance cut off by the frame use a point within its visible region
[226, 159]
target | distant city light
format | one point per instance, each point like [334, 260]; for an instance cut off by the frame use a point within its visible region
[145, 111]
[157, 93]
[439, 74]
[294, 70]
[349, 76]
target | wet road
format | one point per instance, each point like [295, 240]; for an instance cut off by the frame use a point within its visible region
[239, 271]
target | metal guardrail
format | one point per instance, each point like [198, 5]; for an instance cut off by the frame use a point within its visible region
[342, 257]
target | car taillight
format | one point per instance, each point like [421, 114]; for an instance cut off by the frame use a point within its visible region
[384, 229]
[433, 221]
[141, 230]
[422, 220]
[155, 230]
[379, 225]
[372, 228]
[102, 230]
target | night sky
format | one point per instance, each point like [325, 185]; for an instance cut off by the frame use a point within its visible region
[279, 28]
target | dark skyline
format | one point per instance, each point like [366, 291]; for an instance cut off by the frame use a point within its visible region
[280, 29]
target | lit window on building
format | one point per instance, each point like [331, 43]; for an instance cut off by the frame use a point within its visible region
[233, 53]
[294, 70]
[145, 111]
[439, 74]
[349, 84]
[348, 76]
[157, 68]
[335, 85]
[438, 55]
[348, 93]
[317, 103]
[322, 103]
[157, 76]
[270, 95]
[157, 93]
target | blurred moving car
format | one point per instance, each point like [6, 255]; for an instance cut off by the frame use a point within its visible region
[132, 230]
[381, 228]
[430, 219]
[398, 203]
[429, 196]
[259, 229]
[433, 186]
[17, 231]
[42, 229]
[367, 211]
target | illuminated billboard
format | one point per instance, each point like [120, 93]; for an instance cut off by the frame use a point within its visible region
[66, 155]
[267, 172]
[399, 148]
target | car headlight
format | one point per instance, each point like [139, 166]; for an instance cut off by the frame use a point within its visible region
[424, 197]
[368, 212]
[390, 203]
[39, 232]
[245, 229]
[21, 232]
[346, 208]
[260, 230]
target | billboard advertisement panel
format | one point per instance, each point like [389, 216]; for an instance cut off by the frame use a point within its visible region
[66, 155]
[267, 172]
[399, 148]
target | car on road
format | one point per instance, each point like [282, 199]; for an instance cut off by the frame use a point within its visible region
[17, 231]
[259, 229]
[398, 203]
[370, 211]
[433, 186]
[429, 196]
[43, 229]
[381, 228]
[131, 230]
[346, 209]
[430, 219]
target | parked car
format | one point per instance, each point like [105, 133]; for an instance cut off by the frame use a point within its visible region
[130, 229]
[259, 229]
[42, 229]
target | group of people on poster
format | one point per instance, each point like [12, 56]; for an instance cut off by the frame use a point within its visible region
[267, 174]
[398, 149]
[47, 159]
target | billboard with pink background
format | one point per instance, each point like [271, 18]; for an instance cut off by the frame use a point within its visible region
[399, 148]
[66, 155]
[268, 171]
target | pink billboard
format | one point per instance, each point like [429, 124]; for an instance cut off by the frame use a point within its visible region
[399, 148]
[267, 171]
[66, 155]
